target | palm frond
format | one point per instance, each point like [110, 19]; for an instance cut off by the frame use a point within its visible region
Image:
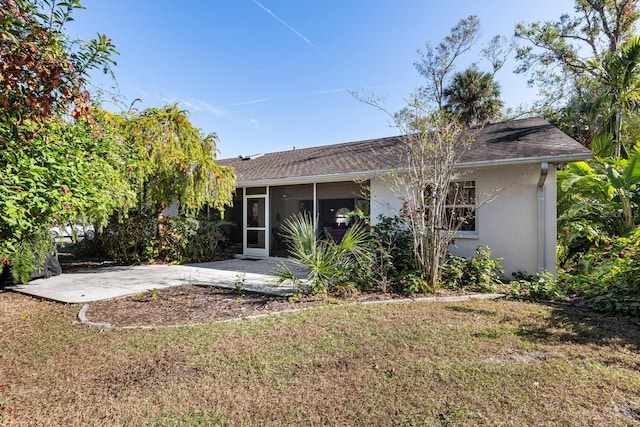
[328, 263]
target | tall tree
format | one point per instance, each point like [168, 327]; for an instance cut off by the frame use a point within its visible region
[43, 72]
[565, 59]
[555, 51]
[170, 160]
[437, 64]
[433, 141]
[474, 96]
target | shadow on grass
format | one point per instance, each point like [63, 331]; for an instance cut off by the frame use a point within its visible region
[568, 324]
[564, 324]
[470, 310]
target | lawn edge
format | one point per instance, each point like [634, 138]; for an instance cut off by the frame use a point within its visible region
[82, 317]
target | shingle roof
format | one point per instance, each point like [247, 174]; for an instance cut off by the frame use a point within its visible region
[518, 141]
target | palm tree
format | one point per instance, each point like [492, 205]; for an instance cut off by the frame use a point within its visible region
[474, 96]
[620, 78]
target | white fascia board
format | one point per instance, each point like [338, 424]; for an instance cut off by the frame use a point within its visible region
[568, 158]
[295, 180]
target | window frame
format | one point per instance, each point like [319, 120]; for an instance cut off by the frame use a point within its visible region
[472, 207]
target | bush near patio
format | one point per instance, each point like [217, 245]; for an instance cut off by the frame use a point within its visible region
[168, 160]
[63, 159]
[381, 259]
[333, 266]
[62, 173]
[55, 165]
[143, 238]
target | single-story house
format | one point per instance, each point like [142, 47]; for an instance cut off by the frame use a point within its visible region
[509, 171]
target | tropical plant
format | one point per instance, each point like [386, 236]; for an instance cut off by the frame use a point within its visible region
[474, 96]
[437, 64]
[605, 192]
[607, 277]
[620, 79]
[330, 264]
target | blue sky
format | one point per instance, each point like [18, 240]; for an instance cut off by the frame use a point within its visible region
[267, 75]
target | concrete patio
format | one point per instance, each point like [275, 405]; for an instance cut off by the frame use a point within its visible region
[112, 282]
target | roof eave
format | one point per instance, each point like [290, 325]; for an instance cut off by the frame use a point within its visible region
[309, 179]
[564, 158]
[363, 175]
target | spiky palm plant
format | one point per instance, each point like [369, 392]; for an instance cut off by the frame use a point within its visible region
[328, 263]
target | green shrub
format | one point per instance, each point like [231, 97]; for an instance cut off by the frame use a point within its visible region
[174, 235]
[540, 286]
[390, 234]
[621, 298]
[209, 243]
[142, 238]
[479, 273]
[131, 240]
[412, 283]
[393, 265]
[607, 277]
[576, 238]
[89, 246]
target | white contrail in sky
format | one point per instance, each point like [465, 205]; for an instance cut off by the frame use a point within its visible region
[253, 101]
[285, 24]
[324, 92]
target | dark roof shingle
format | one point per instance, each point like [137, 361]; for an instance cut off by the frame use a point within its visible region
[524, 140]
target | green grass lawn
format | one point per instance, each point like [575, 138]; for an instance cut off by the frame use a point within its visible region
[423, 364]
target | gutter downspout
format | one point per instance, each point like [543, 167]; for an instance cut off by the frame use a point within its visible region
[542, 225]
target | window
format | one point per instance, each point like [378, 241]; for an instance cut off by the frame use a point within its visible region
[461, 206]
[250, 191]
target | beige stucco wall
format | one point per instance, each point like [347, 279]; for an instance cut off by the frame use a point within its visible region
[507, 220]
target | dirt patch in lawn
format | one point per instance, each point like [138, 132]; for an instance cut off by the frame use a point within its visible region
[192, 304]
